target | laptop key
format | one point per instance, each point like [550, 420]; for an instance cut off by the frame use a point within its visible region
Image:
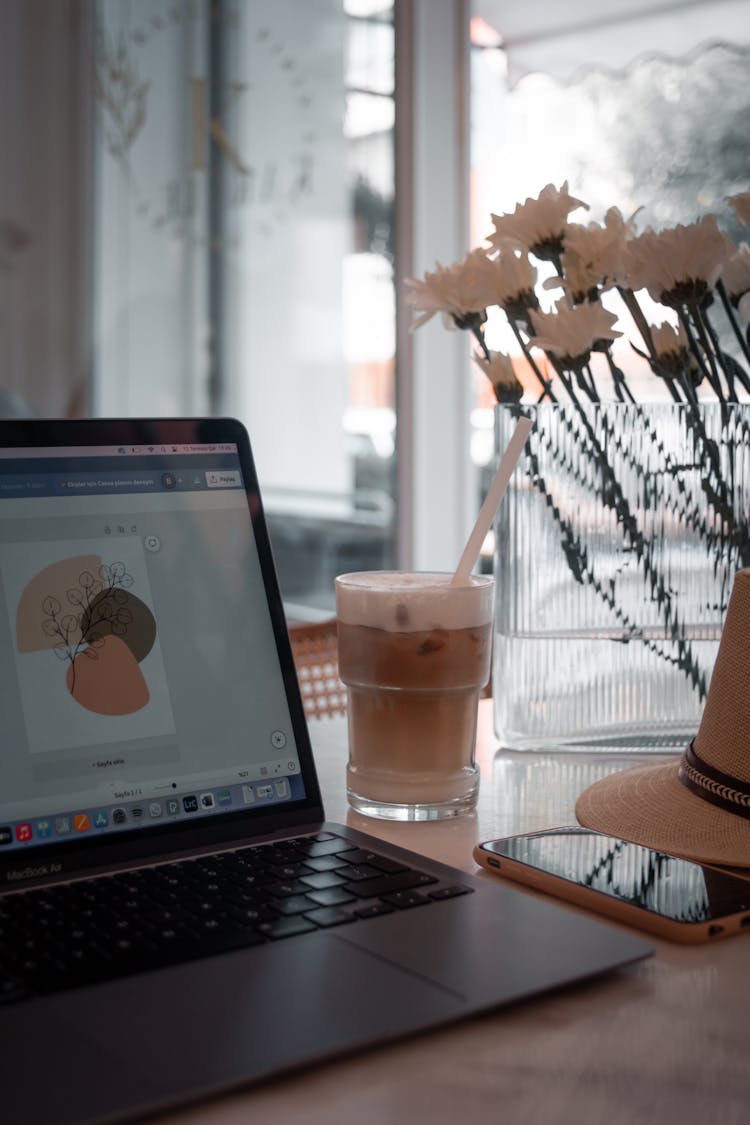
[247, 897]
[163, 915]
[188, 949]
[404, 899]
[322, 862]
[357, 871]
[373, 909]
[327, 847]
[213, 925]
[126, 962]
[286, 889]
[286, 927]
[203, 907]
[274, 857]
[391, 866]
[386, 884]
[246, 878]
[292, 870]
[252, 915]
[296, 904]
[450, 892]
[320, 880]
[354, 855]
[357, 855]
[330, 916]
[330, 896]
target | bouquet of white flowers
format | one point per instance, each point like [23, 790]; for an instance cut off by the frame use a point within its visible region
[684, 269]
[697, 348]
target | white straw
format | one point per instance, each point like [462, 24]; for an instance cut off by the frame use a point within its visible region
[492, 501]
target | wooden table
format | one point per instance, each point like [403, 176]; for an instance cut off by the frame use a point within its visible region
[665, 1041]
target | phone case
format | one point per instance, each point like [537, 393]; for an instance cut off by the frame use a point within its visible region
[692, 933]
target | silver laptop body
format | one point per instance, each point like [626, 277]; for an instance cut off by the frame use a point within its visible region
[153, 740]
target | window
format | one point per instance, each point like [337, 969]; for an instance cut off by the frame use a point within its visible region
[639, 107]
[197, 216]
[244, 182]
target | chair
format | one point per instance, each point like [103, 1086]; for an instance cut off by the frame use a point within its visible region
[315, 651]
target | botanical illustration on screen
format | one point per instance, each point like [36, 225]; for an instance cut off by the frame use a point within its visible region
[88, 659]
[83, 610]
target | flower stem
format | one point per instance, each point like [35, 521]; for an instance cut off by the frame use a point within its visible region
[580, 566]
[672, 388]
[478, 335]
[731, 368]
[699, 357]
[566, 381]
[616, 498]
[712, 349]
[588, 387]
[622, 390]
[592, 384]
[732, 318]
[546, 385]
[635, 310]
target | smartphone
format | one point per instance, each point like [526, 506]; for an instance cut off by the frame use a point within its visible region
[670, 897]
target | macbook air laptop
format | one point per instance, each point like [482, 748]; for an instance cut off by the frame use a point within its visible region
[176, 916]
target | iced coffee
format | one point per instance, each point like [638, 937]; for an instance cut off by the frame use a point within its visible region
[414, 653]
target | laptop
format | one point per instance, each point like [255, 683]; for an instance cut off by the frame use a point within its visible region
[176, 916]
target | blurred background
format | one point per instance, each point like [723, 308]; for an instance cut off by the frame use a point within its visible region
[210, 206]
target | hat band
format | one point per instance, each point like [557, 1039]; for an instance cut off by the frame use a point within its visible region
[720, 789]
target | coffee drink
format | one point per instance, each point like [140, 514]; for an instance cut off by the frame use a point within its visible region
[414, 652]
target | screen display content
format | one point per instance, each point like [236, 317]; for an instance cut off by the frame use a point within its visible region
[139, 681]
[662, 884]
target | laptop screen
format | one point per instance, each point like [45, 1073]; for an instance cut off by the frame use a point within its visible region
[140, 681]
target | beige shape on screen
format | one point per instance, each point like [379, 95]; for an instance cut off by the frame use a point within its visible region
[107, 679]
[53, 582]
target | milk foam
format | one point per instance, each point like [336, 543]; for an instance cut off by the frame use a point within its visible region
[410, 602]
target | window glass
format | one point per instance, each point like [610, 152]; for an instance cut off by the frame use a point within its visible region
[636, 108]
[243, 252]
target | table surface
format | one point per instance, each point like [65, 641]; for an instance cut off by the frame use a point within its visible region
[664, 1041]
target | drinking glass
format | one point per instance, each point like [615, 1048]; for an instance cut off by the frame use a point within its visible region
[414, 653]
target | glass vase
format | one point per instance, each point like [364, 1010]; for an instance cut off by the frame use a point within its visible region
[616, 548]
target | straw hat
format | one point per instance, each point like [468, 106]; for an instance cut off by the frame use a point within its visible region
[699, 805]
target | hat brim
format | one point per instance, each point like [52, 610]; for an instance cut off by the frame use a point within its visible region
[649, 805]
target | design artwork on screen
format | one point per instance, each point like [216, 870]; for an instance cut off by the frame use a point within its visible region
[84, 611]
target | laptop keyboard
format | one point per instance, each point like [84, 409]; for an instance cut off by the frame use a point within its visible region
[115, 925]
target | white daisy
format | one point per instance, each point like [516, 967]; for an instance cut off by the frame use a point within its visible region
[671, 346]
[594, 256]
[678, 265]
[735, 273]
[507, 280]
[668, 339]
[455, 290]
[538, 224]
[570, 333]
[501, 373]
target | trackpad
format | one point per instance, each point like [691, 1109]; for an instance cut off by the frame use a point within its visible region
[226, 1020]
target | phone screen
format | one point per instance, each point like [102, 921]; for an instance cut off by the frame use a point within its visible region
[662, 884]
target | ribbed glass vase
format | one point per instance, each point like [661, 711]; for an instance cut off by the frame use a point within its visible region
[616, 548]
